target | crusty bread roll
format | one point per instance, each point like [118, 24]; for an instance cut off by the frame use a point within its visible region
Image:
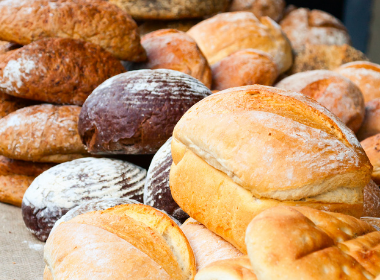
[171, 9]
[207, 246]
[366, 75]
[42, 133]
[141, 109]
[371, 200]
[16, 176]
[328, 57]
[175, 50]
[67, 185]
[260, 8]
[371, 147]
[95, 21]
[337, 93]
[227, 33]
[304, 243]
[130, 241]
[57, 70]
[242, 68]
[304, 26]
[230, 269]
[243, 150]
[371, 122]
[154, 25]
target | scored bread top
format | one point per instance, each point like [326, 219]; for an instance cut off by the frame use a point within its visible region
[277, 144]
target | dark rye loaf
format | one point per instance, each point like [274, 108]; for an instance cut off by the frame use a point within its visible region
[135, 112]
[61, 188]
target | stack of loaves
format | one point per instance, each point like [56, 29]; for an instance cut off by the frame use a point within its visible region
[246, 183]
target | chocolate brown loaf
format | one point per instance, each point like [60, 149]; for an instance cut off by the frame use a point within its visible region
[61, 188]
[135, 112]
[157, 190]
[95, 21]
[57, 70]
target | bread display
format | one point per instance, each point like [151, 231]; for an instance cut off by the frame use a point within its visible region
[154, 25]
[226, 33]
[96, 21]
[371, 122]
[366, 75]
[9, 104]
[157, 190]
[304, 26]
[337, 93]
[257, 147]
[58, 70]
[175, 50]
[371, 199]
[135, 112]
[171, 9]
[327, 57]
[242, 68]
[206, 245]
[124, 242]
[16, 176]
[260, 8]
[304, 243]
[61, 188]
[371, 146]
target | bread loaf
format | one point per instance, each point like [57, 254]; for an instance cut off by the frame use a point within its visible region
[226, 33]
[304, 243]
[366, 75]
[124, 242]
[371, 122]
[245, 67]
[371, 200]
[337, 93]
[256, 147]
[304, 26]
[61, 188]
[135, 112]
[58, 70]
[175, 50]
[95, 21]
[371, 147]
[154, 25]
[15, 178]
[260, 8]
[171, 9]
[42, 133]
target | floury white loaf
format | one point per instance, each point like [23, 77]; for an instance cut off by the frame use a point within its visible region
[243, 150]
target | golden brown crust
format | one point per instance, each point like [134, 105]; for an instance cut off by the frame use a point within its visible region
[42, 133]
[371, 147]
[371, 122]
[154, 25]
[304, 26]
[321, 245]
[227, 33]
[366, 75]
[58, 70]
[245, 67]
[8, 46]
[260, 8]
[9, 104]
[371, 200]
[175, 50]
[95, 21]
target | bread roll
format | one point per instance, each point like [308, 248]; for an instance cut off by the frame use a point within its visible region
[260, 8]
[371, 200]
[224, 34]
[9, 104]
[135, 112]
[171, 9]
[95, 21]
[175, 50]
[337, 93]
[42, 133]
[61, 188]
[256, 147]
[304, 26]
[371, 122]
[58, 70]
[154, 25]
[231, 269]
[371, 147]
[365, 75]
[242, 68]
[304, 243]
[15, 178]
[124, 242]
[328, 57]
[206, 245]
[156, 190]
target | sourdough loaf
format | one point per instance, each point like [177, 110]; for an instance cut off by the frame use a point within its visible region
[260, 8]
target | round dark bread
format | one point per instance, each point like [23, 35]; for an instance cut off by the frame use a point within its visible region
[53, 193]
[135, 112]
[157, 190]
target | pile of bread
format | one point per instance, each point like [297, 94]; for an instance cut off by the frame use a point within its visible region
[247, 114]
